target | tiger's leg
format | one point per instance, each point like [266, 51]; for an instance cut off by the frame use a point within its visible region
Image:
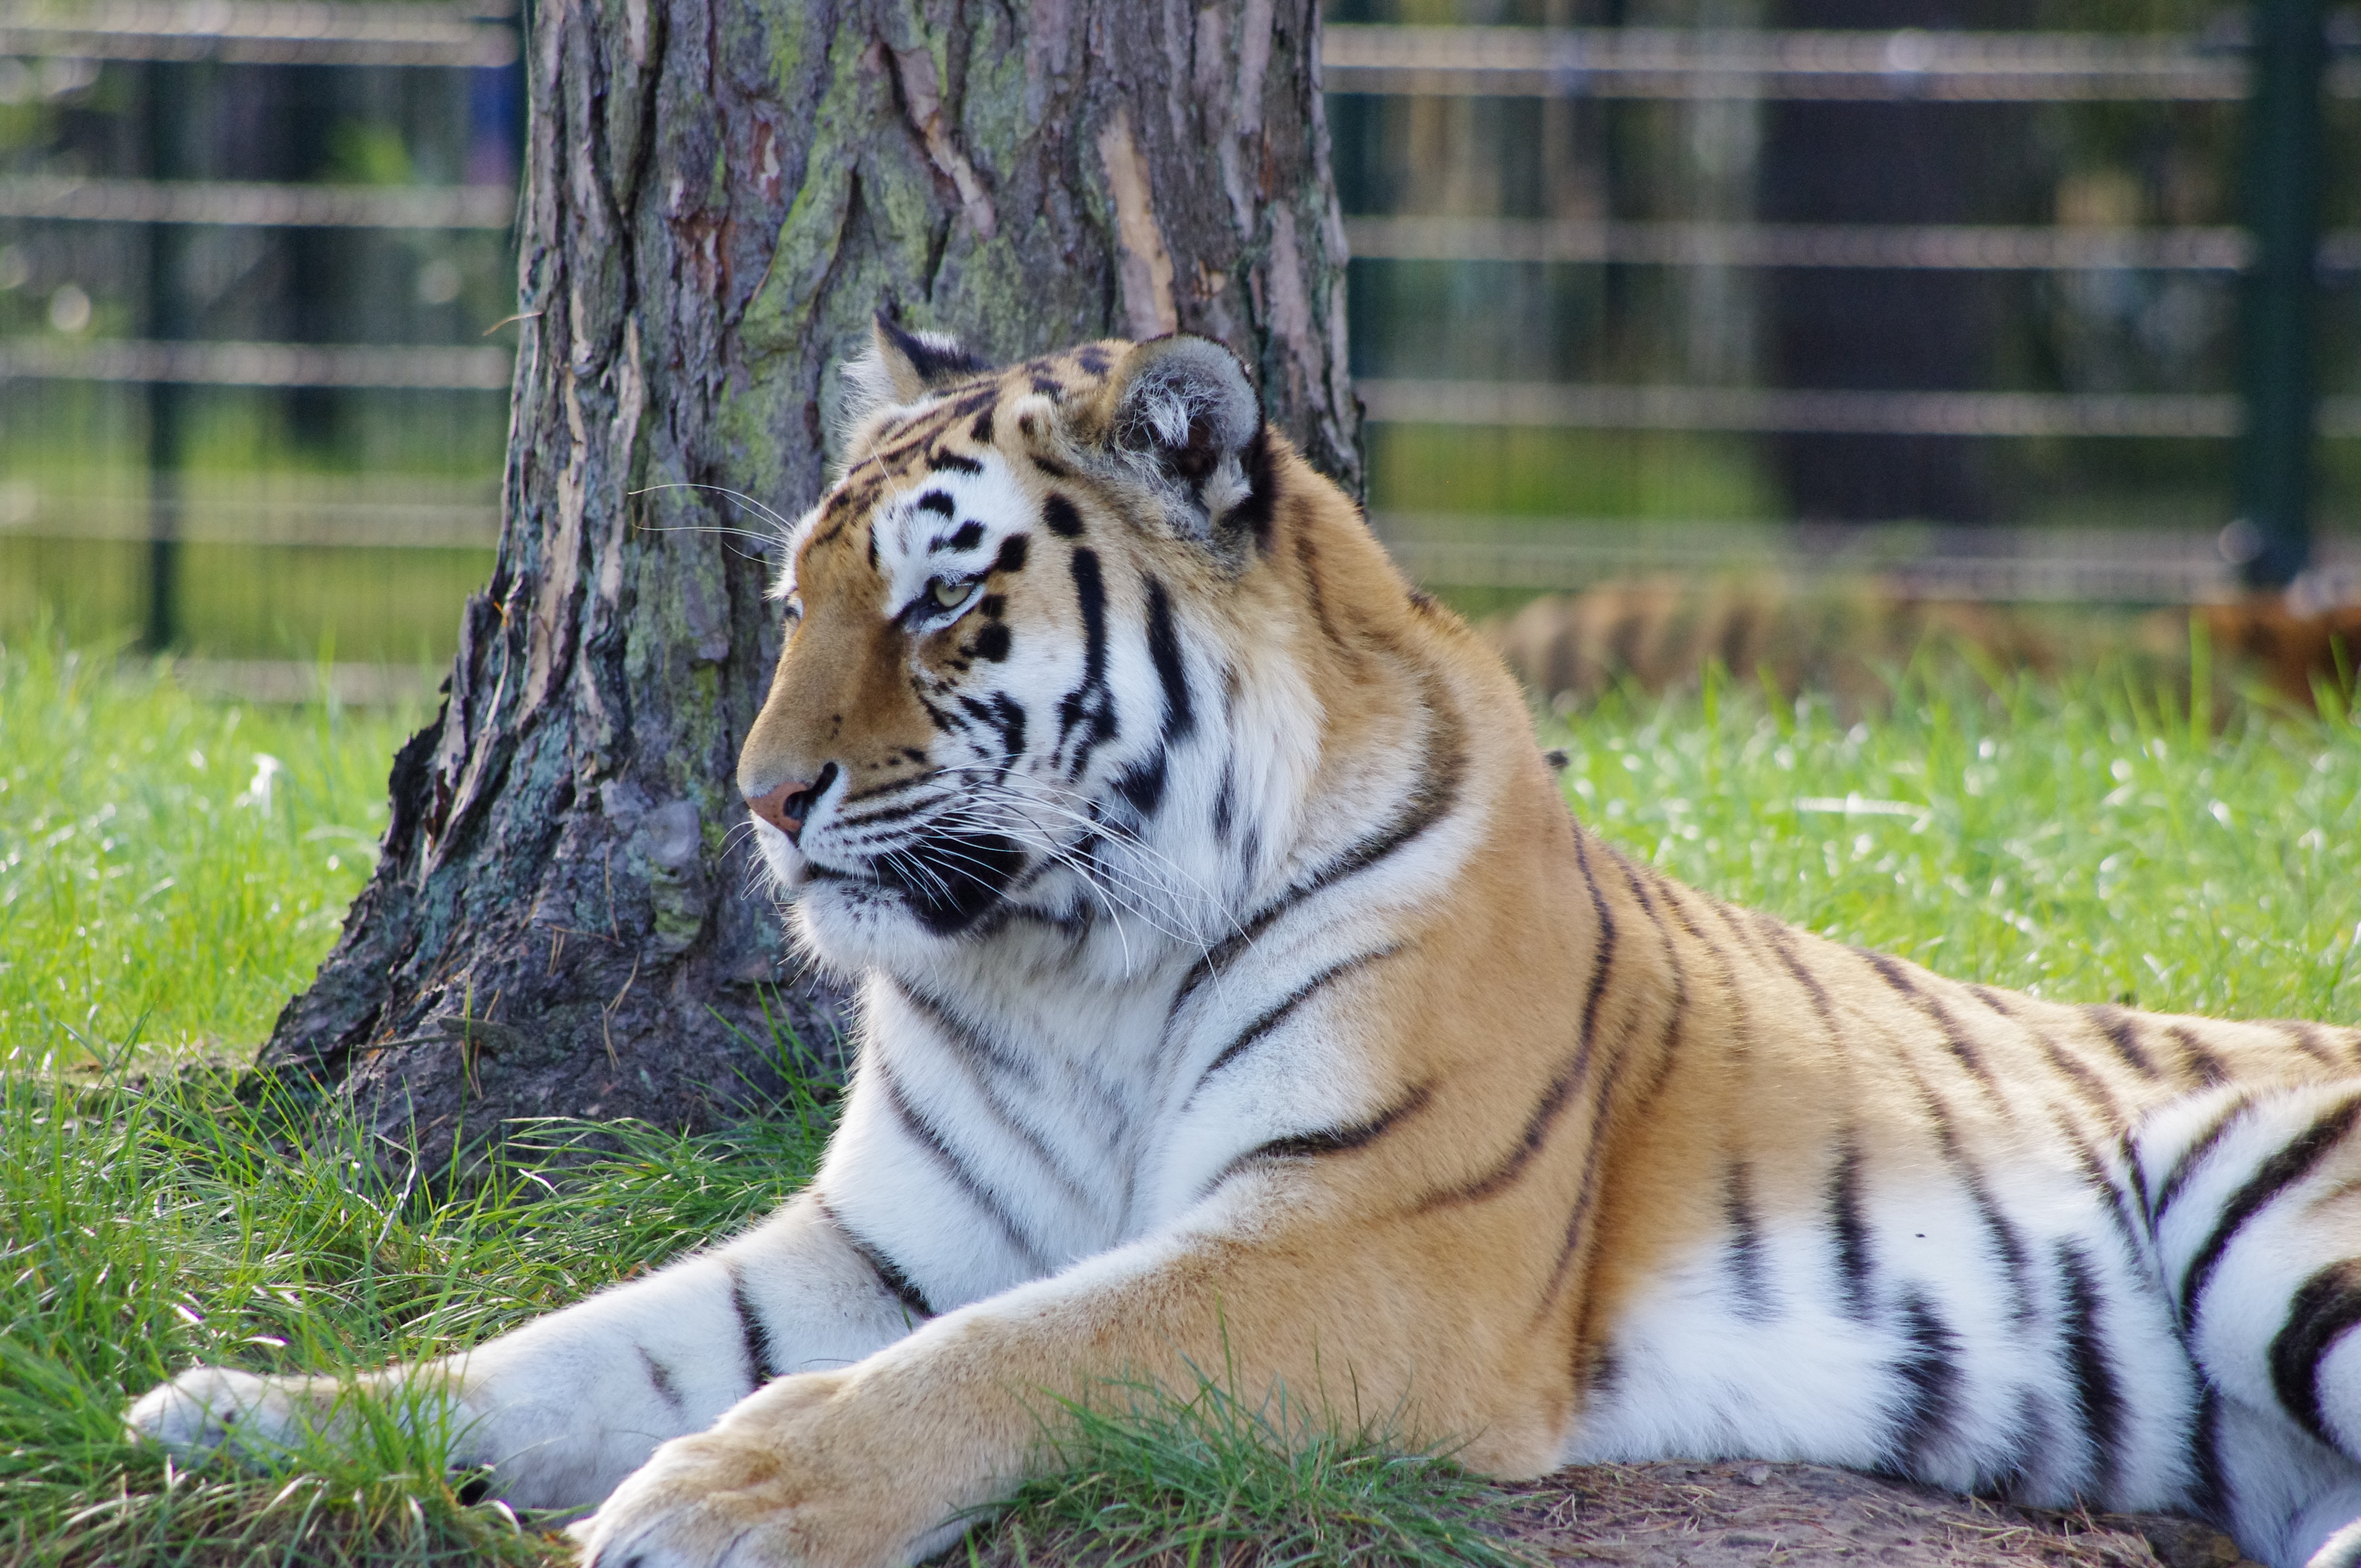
[2255, 1201]
[879, 1465]
[563, 1408]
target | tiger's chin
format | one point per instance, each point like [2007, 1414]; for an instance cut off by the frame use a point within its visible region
[906, 905]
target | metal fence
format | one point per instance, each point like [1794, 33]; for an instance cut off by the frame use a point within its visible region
[2250, 441]
[1615, 230]
[176, 279]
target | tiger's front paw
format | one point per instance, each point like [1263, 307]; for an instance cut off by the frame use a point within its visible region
[787, 1480]
[209, 1408]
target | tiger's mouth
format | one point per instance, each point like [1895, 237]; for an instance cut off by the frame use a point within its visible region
[947, 878]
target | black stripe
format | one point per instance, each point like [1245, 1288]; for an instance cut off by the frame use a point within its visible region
[1586, 1194]
[1538, 1123]
[1277, 1013]
[911, 807]
[2211, 1494]
[1739, 1041]
[754, 1337]
[1747, 1274]
[1141, 785]
[1852, 1228]
[2098, 1401]
[1059, 514]
[930, 1138]
[2204, 1063]
[939, 502]
[1253, 514]
[2280, 1172]
[1602, 962]
[974, 1045]
[1616, 1061]
[1995, 1000]
[933, 361]
[1436, 793]
[2128, 1150]
[889, 1273]
[982, 1060]
[1307, 556]
[1089, 707]
[1332, 1140]
[2005, 1237]
[2103, 1185]
[957, 462]
[2308, 1039]
[2193, 1158]
[1668, 1053]
[2122, 1031]
[2088, 1084]
[1164, 651]
[2321, 1313]
[1781, 939]
[1892, 971]
[1090, 597]
[660, 1376]
[1930, 1382]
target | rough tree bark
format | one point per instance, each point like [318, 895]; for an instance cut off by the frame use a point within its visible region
[720, 194]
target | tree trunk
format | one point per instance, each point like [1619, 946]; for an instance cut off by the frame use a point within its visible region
[718, 196]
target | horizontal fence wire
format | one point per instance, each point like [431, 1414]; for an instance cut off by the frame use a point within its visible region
[382, 369]
[1787, 410]
[1998, 563]
[259, 32]
[1692, 63]
[1892, 246]
[252, 205]
[382, 511]
[296, 680]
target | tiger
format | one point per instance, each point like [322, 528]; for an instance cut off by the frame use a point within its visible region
[1239, 997]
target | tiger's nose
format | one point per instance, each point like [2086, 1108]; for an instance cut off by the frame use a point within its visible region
[785, 807]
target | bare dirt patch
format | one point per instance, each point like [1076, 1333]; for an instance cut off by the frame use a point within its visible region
[1741, 1515]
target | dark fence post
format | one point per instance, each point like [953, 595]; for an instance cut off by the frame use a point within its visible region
[2283, 135]
[164, 116]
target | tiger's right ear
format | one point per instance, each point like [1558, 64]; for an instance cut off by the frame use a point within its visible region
[903, 367]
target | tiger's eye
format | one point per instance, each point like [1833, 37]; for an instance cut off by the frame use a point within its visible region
[949, 592]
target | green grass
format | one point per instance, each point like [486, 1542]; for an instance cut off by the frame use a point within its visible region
[160, 883]
[2089, 840]
[2085, 841]
[1148, 1476]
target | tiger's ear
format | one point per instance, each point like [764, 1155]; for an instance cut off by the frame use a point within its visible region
[1184, 407]
[901, 367]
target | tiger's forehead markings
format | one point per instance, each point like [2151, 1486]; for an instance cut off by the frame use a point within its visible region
[957, 523]
[915, 452]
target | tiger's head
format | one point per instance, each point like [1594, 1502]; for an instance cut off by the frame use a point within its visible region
[1023, 630]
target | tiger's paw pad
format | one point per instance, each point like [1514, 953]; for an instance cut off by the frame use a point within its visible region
[207, 1409]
